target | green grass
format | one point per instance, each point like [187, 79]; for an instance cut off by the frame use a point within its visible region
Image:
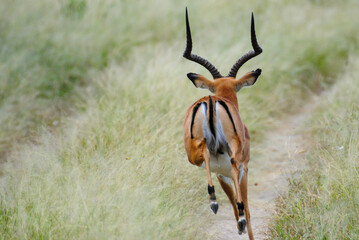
[323, 202]
[112, 75]
[50, 50]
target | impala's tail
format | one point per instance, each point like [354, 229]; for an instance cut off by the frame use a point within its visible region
[213, 130]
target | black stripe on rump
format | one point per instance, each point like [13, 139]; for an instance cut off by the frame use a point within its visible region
[211, 123]
[195, 109]
[229, 114]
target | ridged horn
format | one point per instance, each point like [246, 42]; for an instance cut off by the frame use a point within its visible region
[251, 54]
[195, 58]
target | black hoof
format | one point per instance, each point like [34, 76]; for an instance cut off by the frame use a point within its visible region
[242, 226]
[214, 207]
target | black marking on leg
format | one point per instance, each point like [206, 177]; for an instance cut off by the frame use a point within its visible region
[211, 123]
[212, 197]
[210, 189]
[195, 109]
[214, 204]
[229, 114]
[240, 208]
[232, 161]
[211, 193]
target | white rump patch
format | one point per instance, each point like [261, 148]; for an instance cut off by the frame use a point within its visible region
[219, 162]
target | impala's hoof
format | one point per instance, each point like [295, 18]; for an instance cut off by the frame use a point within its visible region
[242, 223]
[214, 207]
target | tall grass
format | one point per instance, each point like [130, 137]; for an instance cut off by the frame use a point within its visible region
[116, 168]
[51, 48]
[323, 203]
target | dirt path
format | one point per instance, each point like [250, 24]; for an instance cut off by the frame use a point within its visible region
[272, 162]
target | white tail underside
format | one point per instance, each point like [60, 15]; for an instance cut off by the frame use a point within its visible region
[219, 162]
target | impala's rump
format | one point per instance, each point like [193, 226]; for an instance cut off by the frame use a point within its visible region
[212, 126]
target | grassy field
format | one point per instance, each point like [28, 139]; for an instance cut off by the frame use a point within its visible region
[323, 202]
[93, 96]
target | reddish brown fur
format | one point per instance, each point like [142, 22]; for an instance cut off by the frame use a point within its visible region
[225, 90]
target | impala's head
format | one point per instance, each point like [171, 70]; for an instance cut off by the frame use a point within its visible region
[223, 86]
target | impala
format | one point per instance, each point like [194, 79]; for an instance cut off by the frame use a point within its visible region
[215, 136]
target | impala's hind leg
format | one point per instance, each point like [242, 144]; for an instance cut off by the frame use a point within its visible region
[212, 195]
[199, 156]
[227, 188]
[245, 202]
[237, 174]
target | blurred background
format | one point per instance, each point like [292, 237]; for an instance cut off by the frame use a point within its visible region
[92, 100]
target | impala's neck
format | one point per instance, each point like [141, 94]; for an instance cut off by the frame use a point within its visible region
[228, 94]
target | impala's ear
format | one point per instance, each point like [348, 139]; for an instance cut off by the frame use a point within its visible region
[248, 79]
[201, 82]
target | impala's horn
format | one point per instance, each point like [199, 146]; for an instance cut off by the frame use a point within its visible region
[251, 54]
[195, 58]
